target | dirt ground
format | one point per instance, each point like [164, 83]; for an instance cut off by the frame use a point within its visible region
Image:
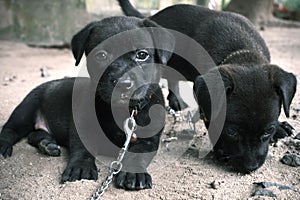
[30, 175]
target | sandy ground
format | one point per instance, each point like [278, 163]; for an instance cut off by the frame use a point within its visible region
[30, 175]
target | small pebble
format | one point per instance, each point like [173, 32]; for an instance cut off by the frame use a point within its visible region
[216, 184]
[291, 159]
[10, 79]
[264, 192]
[266, 184]
[44, 72]
[297, 136]
[296, 109]
[275, 144]
[169, 139]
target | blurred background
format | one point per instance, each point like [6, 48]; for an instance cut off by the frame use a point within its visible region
[52, 23]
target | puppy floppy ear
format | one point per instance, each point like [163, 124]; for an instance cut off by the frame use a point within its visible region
[285, 85]
[202, 97]
[211, 90]
[79, 42]
[163, 40]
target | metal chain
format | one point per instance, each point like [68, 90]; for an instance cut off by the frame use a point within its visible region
[176, 116]
[116, 166]
[191, 118]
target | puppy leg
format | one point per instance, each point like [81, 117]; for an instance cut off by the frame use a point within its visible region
[20, 123]
[175, 101]
[134, 175]
[284, 129]
[133, 181]
[7, 139]
[45, 142]
[81, 164]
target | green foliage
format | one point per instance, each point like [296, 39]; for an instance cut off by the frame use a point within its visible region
[291, 5]
[225, 3]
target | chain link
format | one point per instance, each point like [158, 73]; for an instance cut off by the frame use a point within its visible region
[116, 166]
[191, 118]
[176, 116]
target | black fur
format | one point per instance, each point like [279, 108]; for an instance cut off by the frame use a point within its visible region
[46, 114]
[254, 95]
[219, 33]
[254, 89]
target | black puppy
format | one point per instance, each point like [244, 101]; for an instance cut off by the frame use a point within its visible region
[253, 89]
[254, 94]
[60, 112]
[219, 33]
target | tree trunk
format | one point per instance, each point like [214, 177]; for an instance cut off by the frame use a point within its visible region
[257, 11]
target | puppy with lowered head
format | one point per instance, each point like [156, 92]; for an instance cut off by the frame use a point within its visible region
[253, 90]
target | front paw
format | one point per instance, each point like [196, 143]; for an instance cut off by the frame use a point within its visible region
[284, 129]
[48, 147]
[5, 149]
[81, 169]
[134, 181]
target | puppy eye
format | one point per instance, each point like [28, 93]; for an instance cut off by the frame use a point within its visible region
[232, 133]
[114, 81]
[101, 56]
[142, 55]
[269, 131]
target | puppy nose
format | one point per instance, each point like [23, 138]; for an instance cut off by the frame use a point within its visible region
[126, 84]
[245, 166]
[251, 167]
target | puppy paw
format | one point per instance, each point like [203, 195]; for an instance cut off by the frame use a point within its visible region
[80, 170]
[176, 103]
[134, 181]
[284, 129]
[49, 148]
[5, 149]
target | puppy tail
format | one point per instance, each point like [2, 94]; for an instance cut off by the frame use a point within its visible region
[129, 10]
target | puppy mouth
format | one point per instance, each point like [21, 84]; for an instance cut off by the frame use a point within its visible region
[224, 157]
[242, 166]
[238, 163]
[136, 97]
[134, 102]
[139, 104]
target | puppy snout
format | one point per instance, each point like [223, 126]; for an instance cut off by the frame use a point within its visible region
[245, 166]
[251, 167]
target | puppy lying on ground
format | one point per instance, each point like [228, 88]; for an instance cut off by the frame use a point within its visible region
[52, 114]
[254, 89]
[254, 95]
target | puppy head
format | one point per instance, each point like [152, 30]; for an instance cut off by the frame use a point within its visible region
[254, 96]
[121, 56]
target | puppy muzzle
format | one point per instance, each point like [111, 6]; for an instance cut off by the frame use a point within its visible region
[139, 105]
